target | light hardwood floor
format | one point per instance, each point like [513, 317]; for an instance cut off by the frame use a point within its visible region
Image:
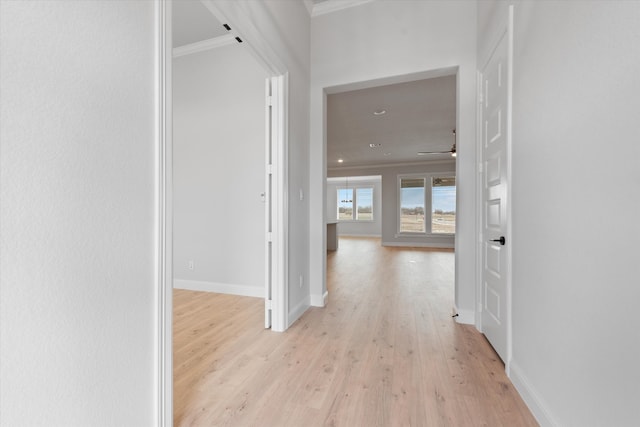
[384, 352]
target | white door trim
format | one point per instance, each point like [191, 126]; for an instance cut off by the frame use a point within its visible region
[163, 217]
[276, 209]
[267, 199]
[279, 203]
[509, 189]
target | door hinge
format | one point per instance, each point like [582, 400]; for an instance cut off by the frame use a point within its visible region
[269, 169]
[269, 236]
[480, 167]
[267, 304]
[270, 101]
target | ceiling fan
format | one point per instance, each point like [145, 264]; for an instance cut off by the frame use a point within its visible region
[452, 151]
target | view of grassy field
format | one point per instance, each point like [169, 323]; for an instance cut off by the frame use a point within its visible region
[411, 223]
[364, 214]
[441, 223]
[345, 214]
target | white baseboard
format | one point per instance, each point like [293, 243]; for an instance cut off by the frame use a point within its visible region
[320, 301]
[221, 288]
[531, 398]
[298, 311]
[466, 317]
[420, 245]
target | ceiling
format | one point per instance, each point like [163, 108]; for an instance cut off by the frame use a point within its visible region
[419, 116]
[193, 22]
[320, 7]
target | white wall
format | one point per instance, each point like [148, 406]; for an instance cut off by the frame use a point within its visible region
[356, 228]
[77, 273]
[219, 166]
[382, 39]
[575, 211]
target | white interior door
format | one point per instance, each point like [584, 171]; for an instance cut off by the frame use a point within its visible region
[276, 267]
[495, 238]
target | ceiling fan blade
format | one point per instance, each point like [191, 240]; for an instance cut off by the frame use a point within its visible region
[426, 153]
[452, 151]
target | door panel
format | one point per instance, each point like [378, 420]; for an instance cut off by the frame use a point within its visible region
[494, 194]
[493, 260]
[493, 214]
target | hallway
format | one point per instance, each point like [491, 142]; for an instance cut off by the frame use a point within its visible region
[384, 352]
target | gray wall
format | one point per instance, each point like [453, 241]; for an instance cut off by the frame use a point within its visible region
[219, 167]
[389, 208]
[575, 211]
[78, 312]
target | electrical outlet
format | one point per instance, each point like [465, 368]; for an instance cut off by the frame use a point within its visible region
[301, 280]
[190, 264]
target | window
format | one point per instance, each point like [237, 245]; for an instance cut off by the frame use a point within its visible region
[412, 205]
[361, 198]
[427, 204]
[364, 199]
[443, 205]
[345, 204]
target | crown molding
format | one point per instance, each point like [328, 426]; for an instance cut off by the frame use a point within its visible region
[367, 178]
[330, 6]
[203, 45]
[392, 165]
[309, 5]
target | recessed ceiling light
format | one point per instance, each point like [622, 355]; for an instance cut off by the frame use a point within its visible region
[375, 145]
[379, 112]
[387, 154]
[340, 160]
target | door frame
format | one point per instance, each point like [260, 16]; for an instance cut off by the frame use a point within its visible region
[234, 14]
[505, 29]
[164, 216]
[318, 260]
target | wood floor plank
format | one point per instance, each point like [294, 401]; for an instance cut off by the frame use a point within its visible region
[384, 352]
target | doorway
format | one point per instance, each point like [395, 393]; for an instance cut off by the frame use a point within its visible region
[269, 163]
[403, 130]
[219, 158]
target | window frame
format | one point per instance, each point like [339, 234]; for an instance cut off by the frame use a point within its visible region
[354, 213]
[428, 203]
